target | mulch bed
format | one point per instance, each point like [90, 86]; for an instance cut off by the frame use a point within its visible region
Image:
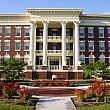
[79, 104]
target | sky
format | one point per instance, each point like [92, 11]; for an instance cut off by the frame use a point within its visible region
[89, 6]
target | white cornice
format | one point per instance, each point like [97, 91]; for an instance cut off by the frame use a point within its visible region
[55, 9]
[35, 11]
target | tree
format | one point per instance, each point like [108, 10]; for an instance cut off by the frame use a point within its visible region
[13, 69]
[98, 69]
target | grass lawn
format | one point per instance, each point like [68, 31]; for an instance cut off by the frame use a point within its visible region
[100, 107]
[14, 107]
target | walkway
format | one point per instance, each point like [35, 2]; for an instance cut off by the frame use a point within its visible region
[55, 103]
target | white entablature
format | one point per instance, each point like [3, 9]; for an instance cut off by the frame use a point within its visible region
[54, 14]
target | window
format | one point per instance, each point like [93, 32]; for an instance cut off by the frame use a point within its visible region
[108, 32]
[54, 61]
[7, 46]
[67, 46]
[26, 45]
[17, 45]
[68, 62]
[91, 58]
[91, 46]
[102, 58]
[18, 31]
[101, 32]
[81, 32]
[90, 33]
[82, 46]
[54, 33]
[40, 61]
[40, 46]
[82, 59]
[26, 31]
[54, 46]
[6, 57]
[41, 32]
[68, 32]
[101, 46]
[109, 59]
[26, 58]
[0, 31]
[7, 32]
[108, 46]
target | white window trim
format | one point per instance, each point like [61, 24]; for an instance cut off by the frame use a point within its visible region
[108, 28]
[102, 57]
[9, 45]
[20, 45]
[92, 58]
[82, 57]
[10, 30]
[17, 56]
[20, 31]
[79, 32]
[79, 45]
[103, 32]
[109, 43]
[92, 32]
[104, 47]
[27, 41]
[93, 45]
[29, 30]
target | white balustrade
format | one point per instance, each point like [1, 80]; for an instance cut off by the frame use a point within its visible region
[54, 37]
[38, 67]
[54, 67]
[39, 37]
[54, 51]
[39, 51]
[69, 37]
[69, 51]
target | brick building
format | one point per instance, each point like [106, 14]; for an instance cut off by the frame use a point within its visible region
[55, 41]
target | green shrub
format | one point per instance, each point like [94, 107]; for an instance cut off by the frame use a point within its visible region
[14, 107]
[26, 83]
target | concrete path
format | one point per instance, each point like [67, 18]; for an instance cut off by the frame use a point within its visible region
[55, 103]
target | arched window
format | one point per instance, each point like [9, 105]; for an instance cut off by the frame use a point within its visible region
[6, 57]
[17, 56]
[82, 59]
[109, 59]
[26, 58]
[102, 58]
[91, 58]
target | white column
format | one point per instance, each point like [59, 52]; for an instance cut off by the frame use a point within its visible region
[32, 44]
[45, 34]
[76, 38]
[63, 43]
[73, 46]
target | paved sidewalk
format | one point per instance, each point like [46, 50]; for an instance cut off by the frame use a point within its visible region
[55, 103]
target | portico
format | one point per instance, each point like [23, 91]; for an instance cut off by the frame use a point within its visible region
[54, 40]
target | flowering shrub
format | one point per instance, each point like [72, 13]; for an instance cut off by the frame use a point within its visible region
[80, 94]
[7, 89]
[53, 83]
[25, 94]
[96, 89]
